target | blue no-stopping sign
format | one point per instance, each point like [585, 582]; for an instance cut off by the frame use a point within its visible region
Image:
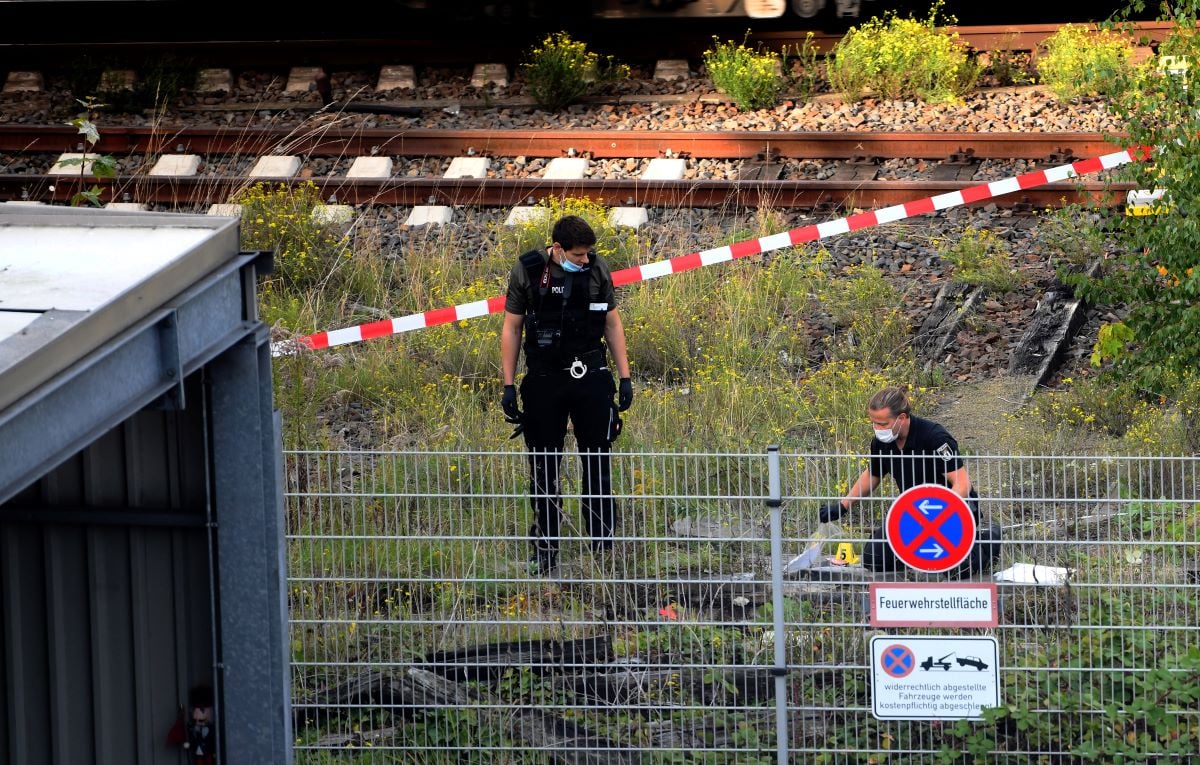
[930, 528]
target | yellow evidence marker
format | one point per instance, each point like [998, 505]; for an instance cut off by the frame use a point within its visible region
[845, 554]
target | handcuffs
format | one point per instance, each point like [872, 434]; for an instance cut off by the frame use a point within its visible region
[577, 370]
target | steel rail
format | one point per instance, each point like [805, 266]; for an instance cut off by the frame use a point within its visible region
[599, 144]
[185, 191]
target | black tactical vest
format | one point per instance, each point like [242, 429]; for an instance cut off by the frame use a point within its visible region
[559, 325]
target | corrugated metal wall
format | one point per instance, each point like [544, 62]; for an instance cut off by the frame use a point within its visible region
[105, 603]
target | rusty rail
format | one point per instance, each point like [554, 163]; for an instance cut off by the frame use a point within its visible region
[194, 191]
[599, 144]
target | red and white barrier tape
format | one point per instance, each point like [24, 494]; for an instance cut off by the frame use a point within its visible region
[790, 238]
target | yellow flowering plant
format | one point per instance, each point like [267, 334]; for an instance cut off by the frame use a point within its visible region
[280, 218]
[751, 78]
[560, 71]
[897, 58]
[1076, 61]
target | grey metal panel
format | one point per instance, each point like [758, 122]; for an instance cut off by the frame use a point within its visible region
[129, 625]
[29, 361]
[277, 533]
[154, 640]
[104, 465]
[4, 692]
[112, 638]
[149, 478]
[254, 685]
[97, 649]
[114, 382]
[69, 641]
[27, 698]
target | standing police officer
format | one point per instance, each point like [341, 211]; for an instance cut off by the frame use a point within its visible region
[562, 299]
[914, 451]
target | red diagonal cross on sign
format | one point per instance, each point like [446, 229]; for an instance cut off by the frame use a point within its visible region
[929, 528]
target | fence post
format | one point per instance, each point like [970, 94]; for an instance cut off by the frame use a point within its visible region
[775, 503]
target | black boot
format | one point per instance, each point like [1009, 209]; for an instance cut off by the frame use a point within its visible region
[544, 561]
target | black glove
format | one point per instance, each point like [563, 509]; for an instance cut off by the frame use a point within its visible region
[625, 394]
[508, 402]
[831, 511]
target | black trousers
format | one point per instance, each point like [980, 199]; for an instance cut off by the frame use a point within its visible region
[549, 400]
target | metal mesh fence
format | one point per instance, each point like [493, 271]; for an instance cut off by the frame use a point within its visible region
[421, 633]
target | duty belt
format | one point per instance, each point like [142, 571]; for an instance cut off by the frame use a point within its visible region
[577, 368]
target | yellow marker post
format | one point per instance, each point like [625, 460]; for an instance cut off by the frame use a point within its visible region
[1141, 202]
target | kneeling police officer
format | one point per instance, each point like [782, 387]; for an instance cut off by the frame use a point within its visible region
[914, 451]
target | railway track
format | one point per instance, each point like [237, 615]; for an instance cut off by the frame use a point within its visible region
[489, 192]
[954, 161]
[764, 159]
[600, 144]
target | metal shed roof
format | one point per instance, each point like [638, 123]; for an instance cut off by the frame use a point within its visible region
[102, 312]
[71, 279]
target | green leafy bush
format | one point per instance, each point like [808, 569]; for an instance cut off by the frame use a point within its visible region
[1153, 270]
[280, 218]
[750, 78]
[1077, 61]
[897, 57]
[561, 70]
[981, 258]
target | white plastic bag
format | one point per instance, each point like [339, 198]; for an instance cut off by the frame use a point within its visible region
[813, 554]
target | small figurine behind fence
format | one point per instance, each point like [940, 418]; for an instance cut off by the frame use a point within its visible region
[198, 736]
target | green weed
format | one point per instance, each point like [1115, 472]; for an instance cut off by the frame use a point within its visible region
[897, 58]
[751, 78]
[979, 257]
[98, 165]
[560, 71]
[1077, 61]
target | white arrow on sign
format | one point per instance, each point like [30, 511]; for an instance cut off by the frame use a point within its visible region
[926, 505]
[936, 550]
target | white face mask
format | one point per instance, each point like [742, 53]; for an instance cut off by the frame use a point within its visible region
[888, 435]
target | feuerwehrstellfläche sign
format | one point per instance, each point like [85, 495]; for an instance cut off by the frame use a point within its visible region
[933, 604]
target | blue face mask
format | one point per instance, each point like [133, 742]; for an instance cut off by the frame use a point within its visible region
[571, 267]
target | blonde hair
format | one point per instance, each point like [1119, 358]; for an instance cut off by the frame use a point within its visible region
[892, 398]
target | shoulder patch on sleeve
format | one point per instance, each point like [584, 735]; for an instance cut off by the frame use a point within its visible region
[945, 452]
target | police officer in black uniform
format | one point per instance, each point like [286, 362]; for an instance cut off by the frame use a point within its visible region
[913, 451]
[562, 300]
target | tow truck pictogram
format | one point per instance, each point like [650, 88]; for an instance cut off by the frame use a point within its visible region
[943, 662]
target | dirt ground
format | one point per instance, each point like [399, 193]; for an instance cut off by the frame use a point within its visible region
[974, 411]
